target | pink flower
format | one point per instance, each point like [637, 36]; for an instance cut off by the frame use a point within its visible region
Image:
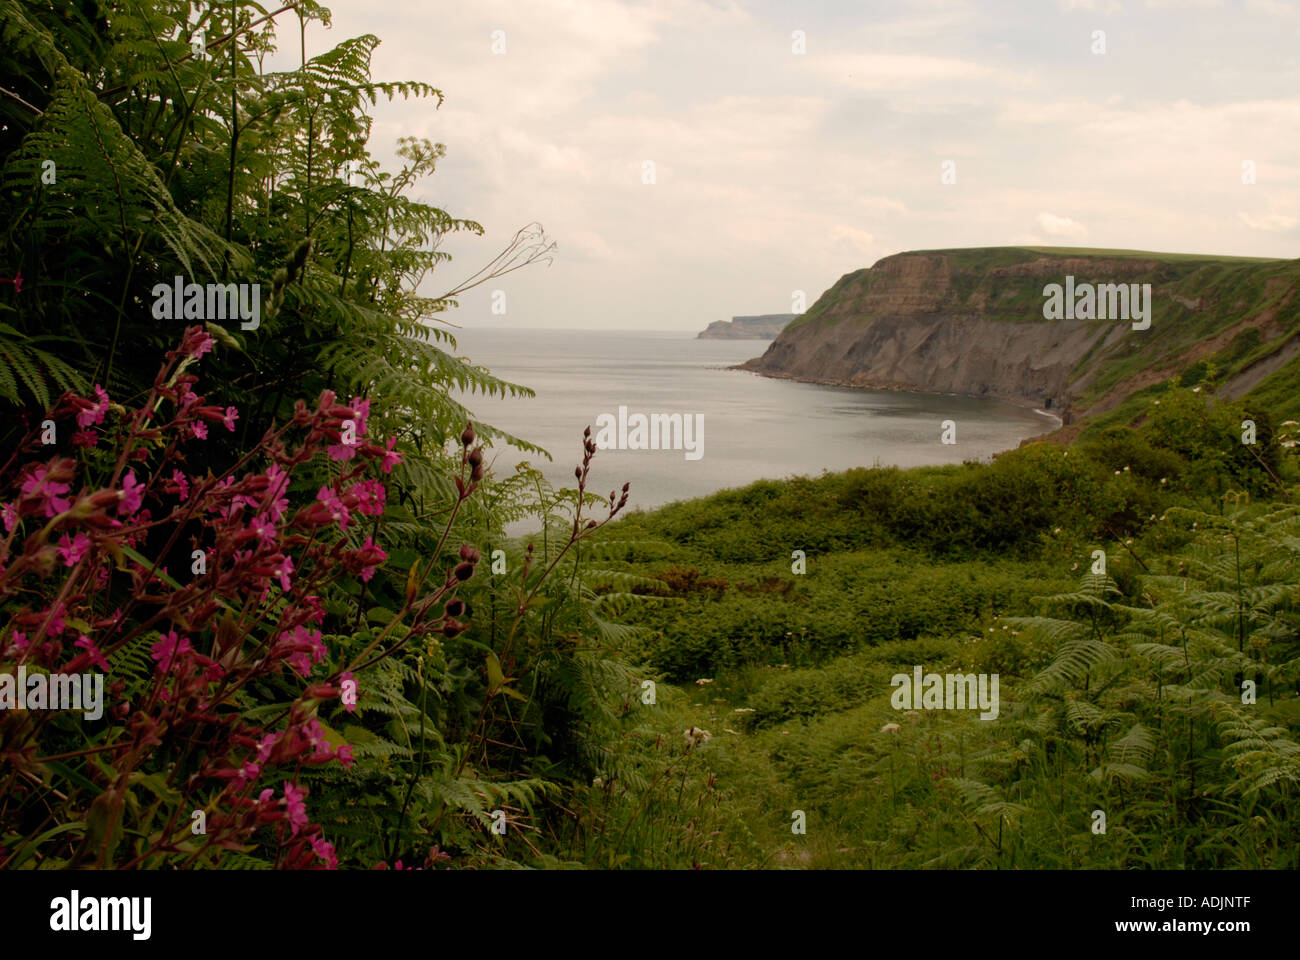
[344, 755]
[316, 740]
[263, 526]
[293, 801]
[95, 415]
[72, 550]
[311, 648]
[180, 480]
[20, 640]
[199, 429]
[201, 344]
[362, 408]
[47, 491]
[97, 658]
[229, 419]
[278, 485]
[247, 774]
[264, 747]
[325, 850]
[9, 516]
[300, 662]
[283, 571]
[392, 458]
[338, 512]
[372, 555]
[186, 397]
[372, 495]
[132, 494]
[312, 603]
[85, 438]
[168, 647]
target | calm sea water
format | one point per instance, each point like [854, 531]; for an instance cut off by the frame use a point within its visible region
[754, 427]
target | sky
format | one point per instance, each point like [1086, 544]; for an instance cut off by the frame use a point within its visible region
[777, 171]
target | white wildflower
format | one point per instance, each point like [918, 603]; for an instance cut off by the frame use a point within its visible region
[694, 736]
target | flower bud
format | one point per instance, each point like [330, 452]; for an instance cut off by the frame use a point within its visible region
[463, 571]
[454, 607]
[467, 437]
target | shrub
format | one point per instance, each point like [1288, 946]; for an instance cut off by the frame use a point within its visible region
[216, 685]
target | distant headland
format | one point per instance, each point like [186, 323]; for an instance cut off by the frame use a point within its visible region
[765, 327]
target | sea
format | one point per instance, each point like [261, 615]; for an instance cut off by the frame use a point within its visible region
[753, 427]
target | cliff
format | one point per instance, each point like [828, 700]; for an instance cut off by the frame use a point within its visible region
[764, 327]
[972, 322]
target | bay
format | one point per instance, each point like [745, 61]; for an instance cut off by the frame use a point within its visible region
[753, 427]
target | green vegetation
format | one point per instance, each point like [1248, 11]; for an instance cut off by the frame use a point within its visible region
[1120, 692]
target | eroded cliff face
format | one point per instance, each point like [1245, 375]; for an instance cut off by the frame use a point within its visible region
[971, 322]
[938, 352]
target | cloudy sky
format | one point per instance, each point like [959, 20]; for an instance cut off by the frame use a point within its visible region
[777, 171]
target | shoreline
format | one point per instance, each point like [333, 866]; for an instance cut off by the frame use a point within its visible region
[900, 388]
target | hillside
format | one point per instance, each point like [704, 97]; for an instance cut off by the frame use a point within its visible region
[971, 321]
[765, 327]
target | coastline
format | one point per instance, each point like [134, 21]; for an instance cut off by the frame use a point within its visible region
[904, 388]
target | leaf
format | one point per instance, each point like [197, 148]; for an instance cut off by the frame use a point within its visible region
[379, 615]
[412, 581]
[149, 564]
[496, 678]
[223, 336]
[333, 737]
